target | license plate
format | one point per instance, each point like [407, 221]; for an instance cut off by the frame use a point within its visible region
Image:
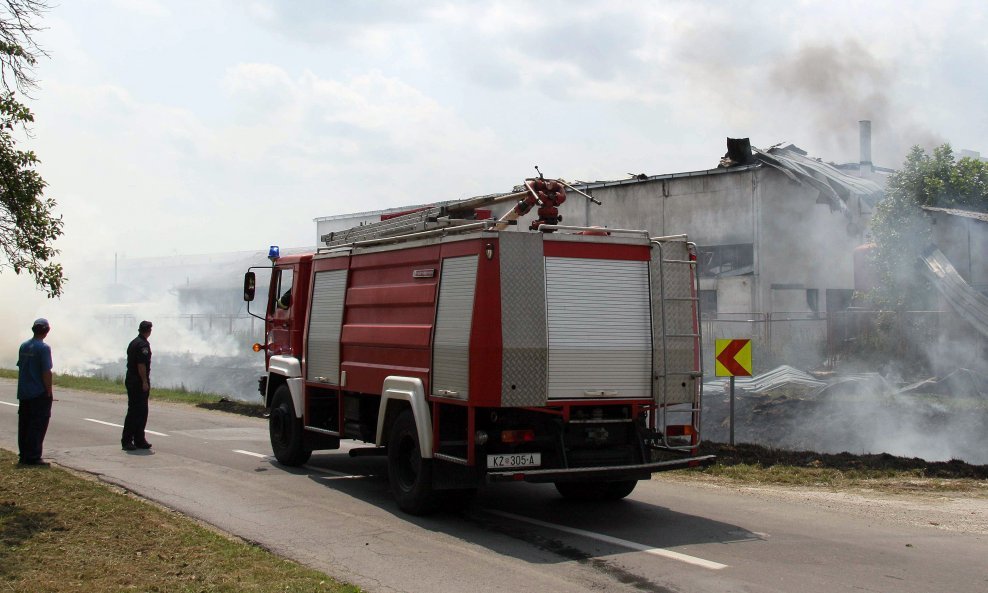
[514, 460]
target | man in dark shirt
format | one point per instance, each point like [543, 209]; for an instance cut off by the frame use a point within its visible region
[34, 394]
[138, 383]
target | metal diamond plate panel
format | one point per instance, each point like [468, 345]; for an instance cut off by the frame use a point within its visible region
[523, 320]
[674, 355]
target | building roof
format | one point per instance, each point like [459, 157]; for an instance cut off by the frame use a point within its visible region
[648, 178]
[836, 187]
[979, 216]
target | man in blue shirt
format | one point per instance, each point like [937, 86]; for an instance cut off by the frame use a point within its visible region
[34, 394]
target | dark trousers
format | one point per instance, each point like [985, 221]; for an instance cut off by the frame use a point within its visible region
[32, 424]
[137, 414]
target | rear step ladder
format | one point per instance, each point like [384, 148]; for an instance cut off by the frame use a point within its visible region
[681, 327]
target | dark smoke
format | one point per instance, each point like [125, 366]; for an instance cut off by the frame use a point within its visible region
[835, 85]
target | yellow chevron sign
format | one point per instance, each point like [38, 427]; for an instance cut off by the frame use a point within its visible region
[732, 358]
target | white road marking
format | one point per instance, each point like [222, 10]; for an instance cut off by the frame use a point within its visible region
[252, 454]
[10, 404]
[618, 542]
[160, 434]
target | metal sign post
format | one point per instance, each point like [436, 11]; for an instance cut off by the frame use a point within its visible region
[732, 358]
[732, 410]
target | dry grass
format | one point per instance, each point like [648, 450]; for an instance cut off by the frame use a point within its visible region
[890, 481]
[62, 533]
[116, 385]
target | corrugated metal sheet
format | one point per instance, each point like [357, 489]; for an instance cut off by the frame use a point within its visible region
[599, 328]
[451, 348]
[967, 302]
[780, 377]
[325, 322]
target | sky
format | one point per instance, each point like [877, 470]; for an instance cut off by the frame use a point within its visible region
[189, 127]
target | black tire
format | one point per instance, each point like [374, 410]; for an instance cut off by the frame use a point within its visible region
[409, 475]
[596, 491]
[286, 430]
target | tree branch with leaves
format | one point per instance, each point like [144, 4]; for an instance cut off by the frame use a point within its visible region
[903, 231]
[28, 224]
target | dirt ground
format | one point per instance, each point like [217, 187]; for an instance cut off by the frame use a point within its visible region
[767, 456]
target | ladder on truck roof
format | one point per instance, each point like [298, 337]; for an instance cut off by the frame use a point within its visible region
[444, 216]
[679, 303]
[450, 214]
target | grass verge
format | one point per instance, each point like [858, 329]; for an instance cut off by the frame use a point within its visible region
[62, 533]
[202, 399]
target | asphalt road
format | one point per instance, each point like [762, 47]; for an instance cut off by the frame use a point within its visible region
[335, 514]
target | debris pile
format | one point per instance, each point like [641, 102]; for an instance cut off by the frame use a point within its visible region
[939, 418]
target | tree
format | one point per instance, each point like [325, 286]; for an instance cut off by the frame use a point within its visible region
[901, 229]
[28, 224]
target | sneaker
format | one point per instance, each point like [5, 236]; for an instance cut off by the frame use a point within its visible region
[144, 445]
[129, 447]
[38, 462]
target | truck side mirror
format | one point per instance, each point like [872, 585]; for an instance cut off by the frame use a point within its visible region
[249, 283]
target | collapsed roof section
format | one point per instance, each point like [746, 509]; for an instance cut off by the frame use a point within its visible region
[837, 189]
[967, 302]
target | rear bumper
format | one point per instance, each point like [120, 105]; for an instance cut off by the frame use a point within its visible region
[617, 472]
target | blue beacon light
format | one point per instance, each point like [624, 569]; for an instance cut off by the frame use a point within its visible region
[274, 253]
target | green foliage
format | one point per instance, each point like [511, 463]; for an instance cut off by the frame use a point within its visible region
[902, 230]
[28, 224]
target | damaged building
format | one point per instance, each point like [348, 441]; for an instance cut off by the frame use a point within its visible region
[775, 228]
[776, 231]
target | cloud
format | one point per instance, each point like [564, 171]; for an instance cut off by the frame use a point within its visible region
[147, 8]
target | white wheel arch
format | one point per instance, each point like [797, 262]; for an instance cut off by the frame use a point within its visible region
[290, 368]
[409, 390]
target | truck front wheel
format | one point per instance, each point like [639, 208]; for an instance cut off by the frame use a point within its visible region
[286, 430]
[409, 474]
[596, 491]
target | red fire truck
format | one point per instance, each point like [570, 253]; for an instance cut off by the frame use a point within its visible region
[469, 351]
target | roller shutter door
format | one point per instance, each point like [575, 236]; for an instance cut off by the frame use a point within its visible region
[599, 328]
[454, 316]
[325, 321]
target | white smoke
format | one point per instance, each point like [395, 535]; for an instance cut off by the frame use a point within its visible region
[198, 344]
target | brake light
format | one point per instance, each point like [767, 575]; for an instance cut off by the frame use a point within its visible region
[512, 437]
[679, 430]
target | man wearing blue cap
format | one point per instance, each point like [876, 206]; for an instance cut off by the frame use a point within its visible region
[34, 394]
[138, 383]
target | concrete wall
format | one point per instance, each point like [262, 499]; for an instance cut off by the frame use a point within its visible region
[802, 245]
[964, 241]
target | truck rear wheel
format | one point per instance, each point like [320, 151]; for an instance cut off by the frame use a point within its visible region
[409, 475]
[286, 430]
[596, 491]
